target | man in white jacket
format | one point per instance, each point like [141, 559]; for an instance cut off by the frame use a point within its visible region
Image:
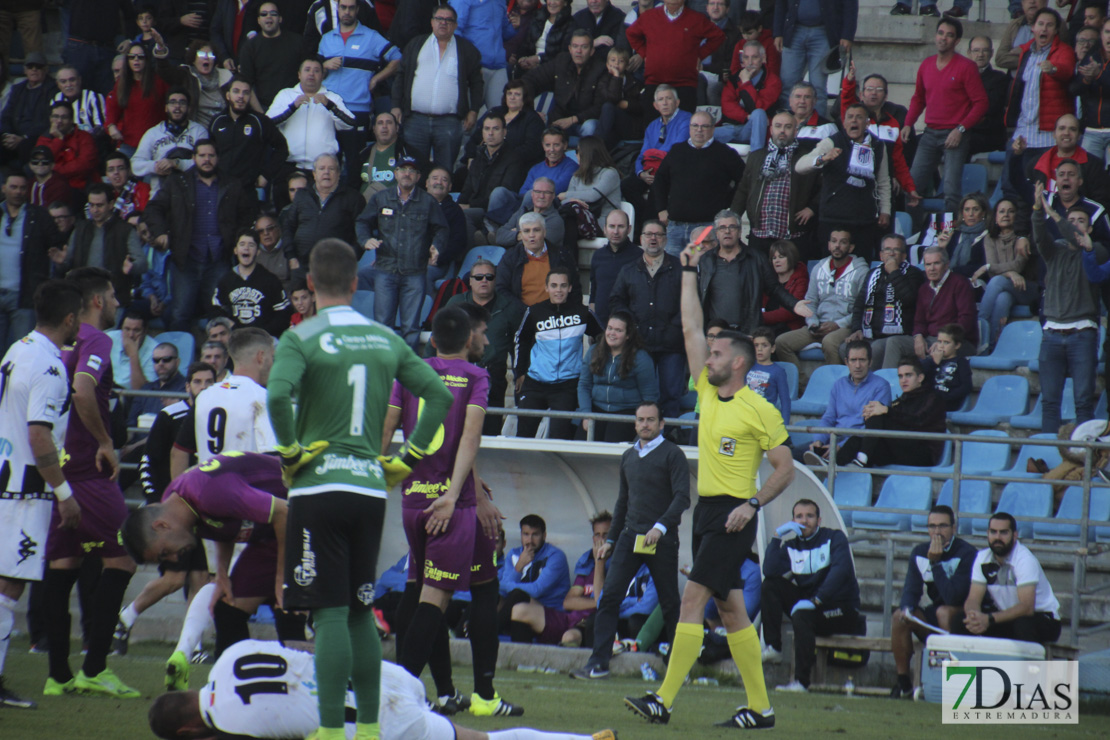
[308, 115]
[168, 146]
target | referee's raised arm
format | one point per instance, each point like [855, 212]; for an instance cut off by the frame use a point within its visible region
[693, 318]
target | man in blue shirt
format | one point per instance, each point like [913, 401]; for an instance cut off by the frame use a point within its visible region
[556, 166]
[846, 401]
[536, 573]
[485, 23]
[671, 127]
[357, 60]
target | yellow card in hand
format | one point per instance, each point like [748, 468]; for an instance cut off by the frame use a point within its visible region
[641, 549]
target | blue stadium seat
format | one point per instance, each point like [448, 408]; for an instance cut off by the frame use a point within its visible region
[890, 375]
[1051, 456]
[852, 489]
[1001, 397]
[1032, 420]
[185, 343]
[816, 395]
[974, 179]
[1019, 343]
[975, 498]
[1071, 507]
[688, 401]
[981, 458]
[1021, 312]
[903, 224]
[945, 460]
[491, 252]
[791, 371]
[1020, 499]
[899, 492]
[363, 302]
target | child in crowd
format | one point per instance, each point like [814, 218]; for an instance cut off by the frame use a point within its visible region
[304, 301]
[950, 375]
[751, 28]
[766, 378]
[623, 88]
[147, 37]
[154, 289]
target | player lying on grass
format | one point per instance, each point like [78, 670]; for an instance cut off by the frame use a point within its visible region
[265, 690]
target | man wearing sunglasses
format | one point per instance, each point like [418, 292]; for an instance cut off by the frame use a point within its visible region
[26, 116]
[269, 60]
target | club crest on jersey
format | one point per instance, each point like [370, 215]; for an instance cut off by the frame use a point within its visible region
[305, 573]
[94, 362]
[728, 446]
[247, 130]
[365, 594]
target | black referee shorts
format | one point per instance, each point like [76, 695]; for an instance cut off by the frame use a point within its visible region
[331, 550]
[718, 554]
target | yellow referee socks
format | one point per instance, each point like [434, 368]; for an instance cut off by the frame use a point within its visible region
[744, 646]
[684, 653]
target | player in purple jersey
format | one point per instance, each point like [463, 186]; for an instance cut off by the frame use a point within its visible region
[441, 523]
[91, 469]
[234, 497]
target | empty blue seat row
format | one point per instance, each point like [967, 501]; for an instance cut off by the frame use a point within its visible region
[1071, 507]
[816, 395]
[975, 498]
[1001, 398]
[1019, 343]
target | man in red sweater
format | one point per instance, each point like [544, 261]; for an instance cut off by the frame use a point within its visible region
[746, 99]
[944, 298]
[75, 155]
[950, 93]
[672, 39]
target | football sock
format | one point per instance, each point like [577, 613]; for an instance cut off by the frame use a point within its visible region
[59, 585]
[744, 645]
[439, 661]
[106, 600]
[505, 613]
[197, 619]
[409, 599]
[521, 632]
[684, 653]
[129, 615]
[426, 621]
[483, 636]
[7, 621]
[333, 664]
[366, 666]
[231, 626]
[523, 733]
[289, 625]
[904, 681]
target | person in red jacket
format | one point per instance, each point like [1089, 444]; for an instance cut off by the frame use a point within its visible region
[1034, 116]
[793, 274]
[75, 155]
[746, 99]
[1092, 169]
[752, 29]
[886, 123]
[672, 40]
[137, 101]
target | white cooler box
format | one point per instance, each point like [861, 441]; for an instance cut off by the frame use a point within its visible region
[939, 648]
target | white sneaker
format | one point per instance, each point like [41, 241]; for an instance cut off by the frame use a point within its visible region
[770, 655]
[794, 686]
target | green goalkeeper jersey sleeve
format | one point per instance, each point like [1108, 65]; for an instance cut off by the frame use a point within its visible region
[339, 367]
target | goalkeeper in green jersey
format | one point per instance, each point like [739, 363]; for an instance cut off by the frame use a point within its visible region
[340, 367]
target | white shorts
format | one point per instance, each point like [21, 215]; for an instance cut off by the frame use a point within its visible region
[403, 714]
[24, 527]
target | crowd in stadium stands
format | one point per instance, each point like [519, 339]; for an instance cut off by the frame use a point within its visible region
[198, 150]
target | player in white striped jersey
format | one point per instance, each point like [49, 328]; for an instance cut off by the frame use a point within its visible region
[34, 411]
[232, 416]
[264, 690]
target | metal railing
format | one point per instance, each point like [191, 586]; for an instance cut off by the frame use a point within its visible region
[1079, 553]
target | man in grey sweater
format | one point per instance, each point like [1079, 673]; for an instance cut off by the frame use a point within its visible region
[1069, 345]
[654, 491]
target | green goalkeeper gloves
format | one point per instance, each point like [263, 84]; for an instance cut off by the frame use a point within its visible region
[294, 457]
[397, 467]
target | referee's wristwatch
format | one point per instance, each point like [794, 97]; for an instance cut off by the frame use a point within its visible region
[754, 503]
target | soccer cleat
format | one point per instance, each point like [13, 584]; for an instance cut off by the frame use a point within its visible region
[604, 735]
[495, 707]
[449, 706]
[590, 671]
[42, 648]
[54, 688]
[120, 639]
[368, 731]
[770, 655]
[748, 719]
[650, 707]
[177, 672]
[795, 686]
[104, 683]
[9, 698]
[380, 623]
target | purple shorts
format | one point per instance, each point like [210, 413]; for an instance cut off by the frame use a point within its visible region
[556, 622]
[103, 512]
[482, 568]
[442, 560]
[255, 572]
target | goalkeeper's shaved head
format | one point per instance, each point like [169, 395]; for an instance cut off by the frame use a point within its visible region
[332, 267]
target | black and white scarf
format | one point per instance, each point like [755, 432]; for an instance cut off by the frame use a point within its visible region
[861, 162]
[891, 307]
[777, 162]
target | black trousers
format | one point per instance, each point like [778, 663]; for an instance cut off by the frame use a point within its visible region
[555, 396]
[1039, 627]
[498, 384]
[623, 565]
[779, 598]
[883, 451]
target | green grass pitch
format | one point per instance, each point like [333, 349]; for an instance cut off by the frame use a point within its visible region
[552, 702]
